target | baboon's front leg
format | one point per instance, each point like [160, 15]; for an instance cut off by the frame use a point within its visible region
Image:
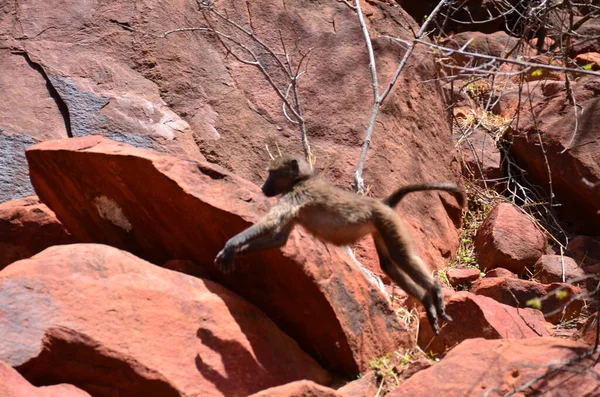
[264, 235]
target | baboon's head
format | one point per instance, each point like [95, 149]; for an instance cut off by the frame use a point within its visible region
[284, 173]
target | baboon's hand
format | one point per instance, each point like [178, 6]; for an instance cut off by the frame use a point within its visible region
[225, 260]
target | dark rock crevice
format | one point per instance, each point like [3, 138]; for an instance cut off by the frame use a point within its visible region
[68, 356]
[60, 104]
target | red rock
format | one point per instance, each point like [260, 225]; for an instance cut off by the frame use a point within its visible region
[582, 42]
[570, 157]
[186, 267]
[585, 250]
[366, 385]
[549, 88]
[587, 332]
[27, 108]
[545, 45]
[541, 74]
[500, 272]
[186, 95]
[516, 292]
[112, 324]
[592, 272]
[549, 269]
[12, 384]
[489, 17]
[414, 367]
[499, 367]
[366, 254]
[508, 238]
[496, 44]
[466, 276]
[302, 388]
[28, 114]
[510, 102]
[82, 96]
[159, 208]
[476, 316]
[481, 158]
[28, 227]
[589, 58]
[593, 269]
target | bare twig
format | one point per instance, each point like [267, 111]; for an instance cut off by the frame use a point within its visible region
[168, 32]
[256, 50]
[378, 99]
[496, 59]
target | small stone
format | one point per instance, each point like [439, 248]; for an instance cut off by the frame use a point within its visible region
[466, 276]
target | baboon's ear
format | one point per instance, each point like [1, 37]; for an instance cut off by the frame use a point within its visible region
[295, 165]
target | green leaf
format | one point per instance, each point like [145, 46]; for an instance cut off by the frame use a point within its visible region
[536, 303]
[588, 66]
[562, 294]
[537, 73]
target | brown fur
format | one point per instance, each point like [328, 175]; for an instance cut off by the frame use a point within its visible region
[341, 218]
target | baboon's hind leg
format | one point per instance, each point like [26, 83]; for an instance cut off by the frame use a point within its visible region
[402, 279]
[438, 301]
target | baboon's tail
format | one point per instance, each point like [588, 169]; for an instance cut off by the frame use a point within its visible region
[399, 194]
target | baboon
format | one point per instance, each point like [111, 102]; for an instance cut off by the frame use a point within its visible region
[341, 218]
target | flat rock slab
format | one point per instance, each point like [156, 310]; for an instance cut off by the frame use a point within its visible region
[161, 208]
[494, 368]
[113, 324]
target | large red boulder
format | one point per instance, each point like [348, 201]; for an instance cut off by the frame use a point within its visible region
[537, 366]
[518, 293]
[552, 142]
[113, 324]
[475, 316]
[83, 68]
[160, 208]
[28, 227]
[12, 384]
[509, 239]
